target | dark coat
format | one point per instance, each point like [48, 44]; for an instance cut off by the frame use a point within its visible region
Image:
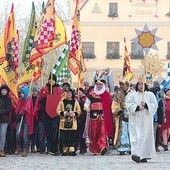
[5, 108]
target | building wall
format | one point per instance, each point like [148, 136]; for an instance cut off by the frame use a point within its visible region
[132, 14]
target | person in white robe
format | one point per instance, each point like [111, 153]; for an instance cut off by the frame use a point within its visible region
[141, 105]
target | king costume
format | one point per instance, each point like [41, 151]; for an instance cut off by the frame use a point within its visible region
[100, 128]
[121, 137]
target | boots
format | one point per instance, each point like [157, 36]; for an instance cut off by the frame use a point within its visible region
[72, 151]
[103, 151]
[2, 153]
[165, 147]
[65, 151]
[33, 150]
[25, 153]
[18, 150]
[157, 149]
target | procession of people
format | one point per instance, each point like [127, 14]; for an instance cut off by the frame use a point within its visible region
[60, 120]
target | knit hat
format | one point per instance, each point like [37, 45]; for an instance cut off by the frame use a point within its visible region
[66, 84]
[25, 91]
[166, 89]
[81, 89]
[4, 86]
[86, 83]
[156, 84]
[53, 77]
[35, 89]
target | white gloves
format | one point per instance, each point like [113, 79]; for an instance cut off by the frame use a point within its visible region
[72, 114]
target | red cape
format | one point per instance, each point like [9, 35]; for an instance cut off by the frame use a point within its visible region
[108, 116]
[25, 105]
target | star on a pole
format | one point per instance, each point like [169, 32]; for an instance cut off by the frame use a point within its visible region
[146, 39]
[152, 64]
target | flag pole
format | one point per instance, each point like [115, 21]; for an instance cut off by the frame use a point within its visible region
[78, 96]
[0, 80]
[42, 72]
[51, 90]
[143, 79]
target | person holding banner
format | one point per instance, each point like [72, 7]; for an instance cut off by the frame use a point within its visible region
[24, 121]
[141, 105]
[49, 97]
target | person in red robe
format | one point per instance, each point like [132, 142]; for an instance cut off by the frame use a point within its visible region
[24, 122]
[98, 104]
[49, 97]
[165, 128]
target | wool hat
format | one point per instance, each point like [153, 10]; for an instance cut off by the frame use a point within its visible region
[25, 91]
[86, 83]
[35, 89]
[166, 89]
[81, 89]
[53, 77]
[66, 84]
[4, 86]
[156, 84]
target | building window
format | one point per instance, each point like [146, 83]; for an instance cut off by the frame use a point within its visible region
[136, 54]
[88, 50]
[168, 51]
[113, 10]
[112, 50]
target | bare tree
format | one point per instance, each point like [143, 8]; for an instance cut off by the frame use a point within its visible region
[22, 22]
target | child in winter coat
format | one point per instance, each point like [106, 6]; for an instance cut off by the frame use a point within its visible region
[24, 121]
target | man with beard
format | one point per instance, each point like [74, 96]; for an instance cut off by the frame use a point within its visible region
[141, 105]
[98, 104]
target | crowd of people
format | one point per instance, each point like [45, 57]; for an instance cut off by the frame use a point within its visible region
[59, 120]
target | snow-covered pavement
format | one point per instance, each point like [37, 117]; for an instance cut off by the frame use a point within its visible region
[113, 161]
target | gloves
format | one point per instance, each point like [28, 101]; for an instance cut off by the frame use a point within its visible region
[66, 114]
[20, 115]
[70, 114]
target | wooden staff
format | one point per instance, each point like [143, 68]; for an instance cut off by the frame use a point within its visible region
[0, 80]
[51, 90]
[143, 82]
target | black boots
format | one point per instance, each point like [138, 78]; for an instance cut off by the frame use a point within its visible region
[136, 158]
